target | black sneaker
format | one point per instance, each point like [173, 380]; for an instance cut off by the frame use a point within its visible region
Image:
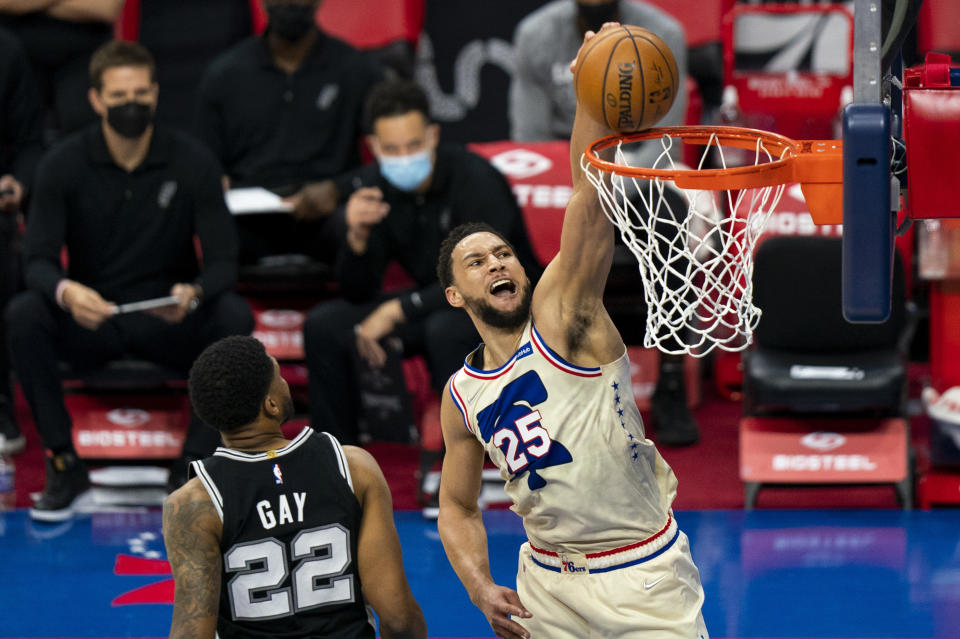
[672, 419]
[12, 440]
[67, 481]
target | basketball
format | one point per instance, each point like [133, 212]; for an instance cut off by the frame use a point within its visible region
[626, 78]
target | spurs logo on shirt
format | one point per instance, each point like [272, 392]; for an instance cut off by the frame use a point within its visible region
[554, 427]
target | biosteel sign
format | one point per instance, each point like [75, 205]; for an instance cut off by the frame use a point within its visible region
[107, 427]
[784, 450]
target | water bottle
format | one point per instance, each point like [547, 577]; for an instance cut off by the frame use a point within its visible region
[8, 493]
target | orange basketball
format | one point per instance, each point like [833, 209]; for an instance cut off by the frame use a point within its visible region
[626, 78]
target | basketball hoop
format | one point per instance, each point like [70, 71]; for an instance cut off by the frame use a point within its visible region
[697, 264]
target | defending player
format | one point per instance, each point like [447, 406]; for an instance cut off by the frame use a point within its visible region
[279, 538]
[548, 397]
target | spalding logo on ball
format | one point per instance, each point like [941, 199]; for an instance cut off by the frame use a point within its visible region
[626, 78]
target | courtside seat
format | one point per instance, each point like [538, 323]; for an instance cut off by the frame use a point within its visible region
[824, 401]
[130, 410]
[808, 358]
[287, 274]
[126, 374]
[836, 382]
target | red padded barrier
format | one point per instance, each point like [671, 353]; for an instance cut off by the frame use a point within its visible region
[931, 126]
[937, 26]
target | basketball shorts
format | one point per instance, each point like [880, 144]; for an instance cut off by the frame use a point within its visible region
[655, 596]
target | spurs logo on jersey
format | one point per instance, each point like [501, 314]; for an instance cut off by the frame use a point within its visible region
[514, 426]
[559, 433]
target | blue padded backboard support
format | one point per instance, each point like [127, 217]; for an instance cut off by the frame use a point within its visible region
[868, 222]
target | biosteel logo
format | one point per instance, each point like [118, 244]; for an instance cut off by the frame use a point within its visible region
[128, 417]
[521, 163]
[823, 440]
[281, 320]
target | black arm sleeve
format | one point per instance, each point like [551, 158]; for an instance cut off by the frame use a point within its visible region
[423, 302]
[46, 230]
[216, 231]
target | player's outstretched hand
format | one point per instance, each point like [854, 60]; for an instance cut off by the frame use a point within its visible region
[587, 37]
[499, 604]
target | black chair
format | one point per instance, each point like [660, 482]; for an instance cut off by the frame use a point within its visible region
[807, 360]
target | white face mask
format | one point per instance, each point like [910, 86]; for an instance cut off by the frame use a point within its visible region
[406, 172]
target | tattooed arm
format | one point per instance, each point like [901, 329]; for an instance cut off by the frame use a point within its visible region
[191, 531]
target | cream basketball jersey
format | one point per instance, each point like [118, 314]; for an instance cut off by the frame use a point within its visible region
[570, 444]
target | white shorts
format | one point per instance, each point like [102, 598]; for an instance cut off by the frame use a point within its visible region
[655, 596]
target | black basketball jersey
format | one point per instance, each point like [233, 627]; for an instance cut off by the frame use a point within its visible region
[290, 525]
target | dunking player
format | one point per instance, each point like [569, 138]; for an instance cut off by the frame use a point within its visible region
[548, 397]
[277, 537]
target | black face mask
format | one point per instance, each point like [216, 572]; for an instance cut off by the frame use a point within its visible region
[130, 119]
[290, 22]
[592, 16]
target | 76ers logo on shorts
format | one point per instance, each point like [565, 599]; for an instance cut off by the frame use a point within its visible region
[513, 424]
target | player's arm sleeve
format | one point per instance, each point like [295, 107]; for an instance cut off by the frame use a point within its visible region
[46, 230]
[379, 561]
[528, 101]
[191, 531]
[215, 229]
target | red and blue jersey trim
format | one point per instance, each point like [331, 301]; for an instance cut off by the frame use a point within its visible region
[615, 558]
[618, 566]
[458, 402]
[558, 361]
[477, 373]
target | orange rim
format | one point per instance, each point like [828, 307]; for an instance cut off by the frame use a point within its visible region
[816, 164]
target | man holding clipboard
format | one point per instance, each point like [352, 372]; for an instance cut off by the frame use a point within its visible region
[126, 198]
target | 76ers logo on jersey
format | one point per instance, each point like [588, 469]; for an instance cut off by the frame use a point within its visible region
[513, 424]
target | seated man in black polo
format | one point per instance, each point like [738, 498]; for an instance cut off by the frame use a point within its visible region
[126, 199]
[283, 111]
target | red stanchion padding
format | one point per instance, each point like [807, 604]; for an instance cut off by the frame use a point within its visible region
[931, 126]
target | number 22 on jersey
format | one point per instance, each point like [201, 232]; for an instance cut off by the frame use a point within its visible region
[262, 567]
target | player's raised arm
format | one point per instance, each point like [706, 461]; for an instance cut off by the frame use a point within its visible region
[461, 525]
[191, 532]
[571, 289]
[380, 562]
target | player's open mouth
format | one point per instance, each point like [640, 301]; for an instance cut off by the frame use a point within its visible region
[503, 288]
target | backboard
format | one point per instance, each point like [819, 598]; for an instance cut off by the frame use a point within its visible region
[871, 192]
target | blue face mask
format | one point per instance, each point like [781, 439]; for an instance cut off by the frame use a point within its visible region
[406, 172]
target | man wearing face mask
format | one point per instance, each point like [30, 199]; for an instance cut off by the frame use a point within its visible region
[400, 208]
[283, 111]
[126, 199]
[542, 105]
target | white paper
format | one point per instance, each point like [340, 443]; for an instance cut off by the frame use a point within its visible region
[157, 302]
[255, 199]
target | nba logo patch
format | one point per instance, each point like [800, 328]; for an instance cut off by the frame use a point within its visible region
[277, 475]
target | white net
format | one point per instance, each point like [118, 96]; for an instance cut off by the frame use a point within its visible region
[694, 247]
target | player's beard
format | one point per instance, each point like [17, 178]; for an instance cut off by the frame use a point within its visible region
[486, 313]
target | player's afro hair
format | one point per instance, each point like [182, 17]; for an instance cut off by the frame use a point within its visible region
[229, 381]
[445, 261]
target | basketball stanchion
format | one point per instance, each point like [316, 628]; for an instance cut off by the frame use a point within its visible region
[697, 264]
